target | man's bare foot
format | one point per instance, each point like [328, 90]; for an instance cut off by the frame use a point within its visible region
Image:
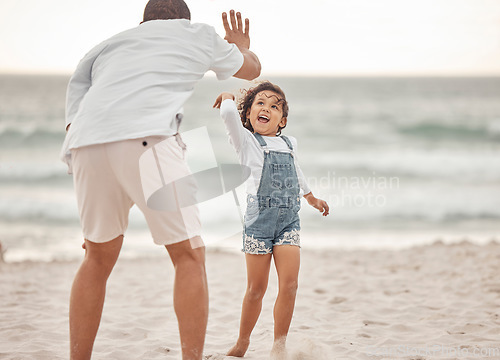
[239, 349]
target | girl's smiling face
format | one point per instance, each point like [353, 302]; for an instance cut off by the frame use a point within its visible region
[266, 113]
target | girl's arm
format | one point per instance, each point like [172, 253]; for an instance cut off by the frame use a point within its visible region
[300, 175]
[223, 96]
[319, 204]
[237, 133]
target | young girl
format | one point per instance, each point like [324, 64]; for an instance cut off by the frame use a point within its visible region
[272, 224]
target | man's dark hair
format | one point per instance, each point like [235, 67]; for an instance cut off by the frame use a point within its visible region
[166, 10]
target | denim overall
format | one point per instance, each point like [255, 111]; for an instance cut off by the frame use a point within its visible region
[272, 216]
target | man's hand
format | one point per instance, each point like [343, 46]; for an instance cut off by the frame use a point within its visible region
[235, 33]
[223, 96]
[239, 35]
[316, 203]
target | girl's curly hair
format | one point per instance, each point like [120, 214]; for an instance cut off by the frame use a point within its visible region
[245, 103]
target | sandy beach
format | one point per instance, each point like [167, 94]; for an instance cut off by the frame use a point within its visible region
[431, 302]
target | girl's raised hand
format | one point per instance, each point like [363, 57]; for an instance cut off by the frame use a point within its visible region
[223, 96]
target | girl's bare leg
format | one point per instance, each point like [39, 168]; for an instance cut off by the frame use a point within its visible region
[287, 261]
[257, 278]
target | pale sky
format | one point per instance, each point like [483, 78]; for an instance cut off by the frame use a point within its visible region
[312, 37]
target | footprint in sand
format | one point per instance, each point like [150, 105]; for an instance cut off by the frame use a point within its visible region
[215, 357]
[371, 322]
[320, 291]
[364, 335]
[337, 300]
[467, 329]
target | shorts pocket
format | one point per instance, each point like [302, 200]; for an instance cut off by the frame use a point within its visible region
[253, 210]
[168, 146]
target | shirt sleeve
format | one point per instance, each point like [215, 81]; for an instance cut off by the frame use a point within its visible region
[300, 175]
[227, 58]
[237, 133]
[80, 83]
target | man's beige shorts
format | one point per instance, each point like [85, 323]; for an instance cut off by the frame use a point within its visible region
[109, 180]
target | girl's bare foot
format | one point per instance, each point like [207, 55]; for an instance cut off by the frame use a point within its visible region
[239, 349]
[279, 350]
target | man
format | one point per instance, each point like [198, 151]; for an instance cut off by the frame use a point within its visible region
[123, 100]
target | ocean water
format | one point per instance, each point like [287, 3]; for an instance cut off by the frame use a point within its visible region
[401, 161]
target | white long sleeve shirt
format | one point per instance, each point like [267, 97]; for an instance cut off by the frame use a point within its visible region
[133, 84]
[249, 151]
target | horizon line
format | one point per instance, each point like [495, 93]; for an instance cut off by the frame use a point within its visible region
[295, 75]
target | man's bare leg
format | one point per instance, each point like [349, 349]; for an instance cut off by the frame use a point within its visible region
[87, 295]
[190, 296]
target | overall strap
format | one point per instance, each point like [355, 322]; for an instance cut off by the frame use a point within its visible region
[260, 139]
[288, 142]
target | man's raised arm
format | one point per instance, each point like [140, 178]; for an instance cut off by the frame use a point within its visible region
[239, 35]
